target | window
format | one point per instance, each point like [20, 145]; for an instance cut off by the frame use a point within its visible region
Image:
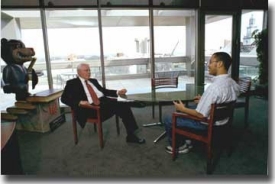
[218, 38]
[25, 26]
[251, 21]
[126, 49]
[174, 44]
[73, 38]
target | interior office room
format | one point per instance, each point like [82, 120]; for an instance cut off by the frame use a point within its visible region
[132, 44]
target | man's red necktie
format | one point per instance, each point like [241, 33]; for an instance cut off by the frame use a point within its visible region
[92, 93]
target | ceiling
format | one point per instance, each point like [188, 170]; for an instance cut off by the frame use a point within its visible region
[110, 18]
[89, 18]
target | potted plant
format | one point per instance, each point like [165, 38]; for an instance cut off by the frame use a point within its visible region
[261, 42]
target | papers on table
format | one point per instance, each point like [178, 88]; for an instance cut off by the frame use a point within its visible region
[124, 99]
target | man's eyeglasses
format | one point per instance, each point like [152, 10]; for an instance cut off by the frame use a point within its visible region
[215, 61]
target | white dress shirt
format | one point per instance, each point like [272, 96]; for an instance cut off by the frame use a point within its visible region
[98, 93]
[223, 89]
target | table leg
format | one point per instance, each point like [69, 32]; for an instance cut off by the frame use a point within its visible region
[161, 136]
[160, 118]
[152, 124]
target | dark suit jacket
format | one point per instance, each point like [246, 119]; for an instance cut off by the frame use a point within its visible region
[74, 93]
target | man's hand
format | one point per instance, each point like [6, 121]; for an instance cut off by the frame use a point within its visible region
[181, 108]
[84, 103]
[197, 98]
[179, 105]
[122, 92]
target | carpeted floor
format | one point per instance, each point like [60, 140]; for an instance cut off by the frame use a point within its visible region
[54, 154]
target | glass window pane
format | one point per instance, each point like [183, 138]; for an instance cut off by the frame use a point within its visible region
[218, 38]
[249, 65]
[25, 26]
[73, 38]
[126, 49]
[174, 43]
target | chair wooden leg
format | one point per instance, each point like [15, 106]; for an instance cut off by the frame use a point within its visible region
[95, 129]
[174, 139]
[174, 152]
[209, 164]
[117, 125]
[75, 132]
[100, 135]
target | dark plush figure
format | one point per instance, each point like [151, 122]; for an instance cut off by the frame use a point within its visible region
[15, 75]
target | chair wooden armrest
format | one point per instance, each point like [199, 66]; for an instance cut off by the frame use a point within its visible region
[89, 106]
[184, 115]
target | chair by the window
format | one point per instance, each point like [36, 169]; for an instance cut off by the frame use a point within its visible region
[243, 99]
[220, 133]
[96, 121]
[164, 82]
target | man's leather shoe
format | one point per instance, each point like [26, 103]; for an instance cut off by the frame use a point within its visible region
[134, 139]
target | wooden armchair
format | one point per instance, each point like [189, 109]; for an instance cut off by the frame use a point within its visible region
[163, 82]
[96, 121]
[243, 99]
[218, 112]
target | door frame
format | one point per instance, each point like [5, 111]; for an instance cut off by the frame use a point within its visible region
[235, 46]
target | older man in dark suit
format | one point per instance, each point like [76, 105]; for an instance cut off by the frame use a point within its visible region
[76, 93]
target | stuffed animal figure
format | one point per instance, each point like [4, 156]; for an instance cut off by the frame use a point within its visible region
[15, 75]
